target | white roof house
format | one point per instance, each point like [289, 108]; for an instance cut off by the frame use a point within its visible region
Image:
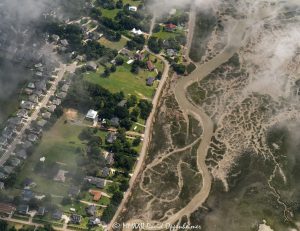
[91, 114]
[132, 8]
[135, 31]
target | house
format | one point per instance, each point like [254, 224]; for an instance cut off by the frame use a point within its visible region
[41, 85]
[98, 182]
[91, 66]
[3, 141]
[46, 115]
[41, 122]
[111, 137]
[64, 42]
[8, 133]
[150, 65]
[41, 211]
[15, 162]
[8, 169]
[51, 108]
[61, 95]
[122, 103]
[27, 195]
[57, 215]
[105, 172]
[115, 121]
[65, 87]
[22, 154]
[91, 115]
[110, 158]
[94, 221]
[170, 27]
[36, 130]
[91, 210]
[125, 52]
[38, 65]
[139, 56]
[75, 219]
[32, 137]
[33, 98]
[31, 85]
[3, 176]
[130, 61]
[27, 182]
[55, 37]
[73, 191]
[150, 81]
[39, 74]
[7, 209]
[80, 58]
[96, 195]
[38, 93]
[15, 121]
[27, 144]
[22, 113]
[23, 209]
[56, 102]
[171, 52]
[132, 8]
[136, 32]
[26, 105]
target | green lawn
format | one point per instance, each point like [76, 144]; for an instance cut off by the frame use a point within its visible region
[110, 13]
[124, 80]
[113, 45]
[60, 144]
[166, 35]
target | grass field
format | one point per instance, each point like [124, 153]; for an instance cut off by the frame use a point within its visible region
[166, 35]
[60, 144]
[112, 13]
[109, 13]
[113, 45]
[124, 80]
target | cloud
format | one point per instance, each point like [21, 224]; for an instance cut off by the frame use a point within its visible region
[160, 7]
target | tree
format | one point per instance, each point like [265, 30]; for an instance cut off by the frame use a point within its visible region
[132, 100]
[119, 61]
[134, 114]
[159, 75]
[113, 68]
[119, 4]
[106, 72]
[109, 213]
[3, 225]
[145, 107]
[155, 44]
[126, 123]
[66, 201]
[136, 142]
[117, 198]
[179, 68]
[113, 188]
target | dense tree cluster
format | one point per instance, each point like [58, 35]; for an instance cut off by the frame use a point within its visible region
[155, 44]
[74, 35]
[137, 43]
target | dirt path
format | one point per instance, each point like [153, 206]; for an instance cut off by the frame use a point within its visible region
[190, 109]
[147, 135]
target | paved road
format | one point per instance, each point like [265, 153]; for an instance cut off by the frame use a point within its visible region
[62, 70]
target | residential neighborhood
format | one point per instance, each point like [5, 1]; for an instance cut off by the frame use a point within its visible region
[68, 153]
